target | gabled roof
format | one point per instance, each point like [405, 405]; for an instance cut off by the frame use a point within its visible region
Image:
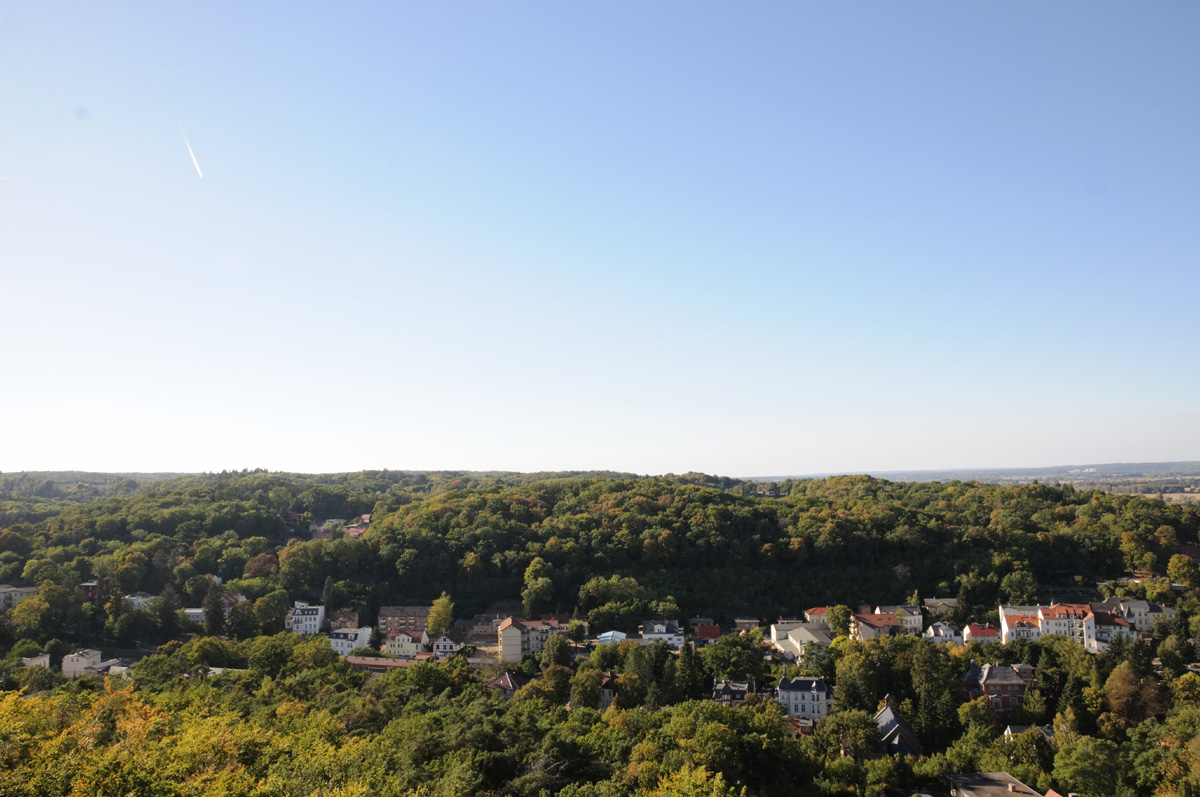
[803, 684]
[992, 674]
[1066, 611]
[879, 620]
[894, 730]
[982, 629]
[509, 682]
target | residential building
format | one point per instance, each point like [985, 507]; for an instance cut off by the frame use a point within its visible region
[90, 589]
[662, 631]
[794, 644]
[988, 784]
[1139, 614]
[873, 626]
[910, 617]
[138, 600]
[896, 736]
[42, 660]
[406, 643]
[1047, 731]
[733, 693]
[307, 619]
[808, 698]
[1090, 627]
[940, 607]
[741, 624]
[10, 596]
[518, 637]
[484, 627]
[345, 640]
[981, 632]
[1004, 686]
[74, 664]
[231, 599]
[393, 618]
[196, 616]
[343, 619]
[816, 614]
[943, 633]
[608, 690]
[449, 643]
[507, 684]
[704, 634]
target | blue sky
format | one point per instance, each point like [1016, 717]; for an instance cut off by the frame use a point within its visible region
[781, 239]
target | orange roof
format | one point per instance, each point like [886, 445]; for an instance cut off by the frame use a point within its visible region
[1067, 610]
[1030, 620]
[986, 629]
[878, 620]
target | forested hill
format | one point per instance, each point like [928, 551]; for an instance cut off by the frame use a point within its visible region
[615, 546]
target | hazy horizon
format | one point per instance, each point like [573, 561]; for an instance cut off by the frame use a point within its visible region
[788, 239]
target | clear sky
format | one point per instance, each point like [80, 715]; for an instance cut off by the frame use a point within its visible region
[745, 239]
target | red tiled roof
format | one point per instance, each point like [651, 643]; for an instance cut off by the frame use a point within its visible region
[878, 620]
[986, 629]
[708, 631]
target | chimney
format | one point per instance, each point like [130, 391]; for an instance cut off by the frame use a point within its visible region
[1012, 787]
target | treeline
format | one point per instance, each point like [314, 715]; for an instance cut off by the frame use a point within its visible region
[619, 547]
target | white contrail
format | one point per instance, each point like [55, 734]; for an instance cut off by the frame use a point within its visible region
[194, 161]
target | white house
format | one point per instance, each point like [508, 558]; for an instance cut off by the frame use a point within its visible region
[37, 661]
[449, 643]
[10, 596]
[911, 620]
[942, 633]
[1078, 622]
[74, 664]
[345, 640]
[662, 631]
[807, 698]
[139, 600]
[795, 642]
[307, 619]
[195, 616]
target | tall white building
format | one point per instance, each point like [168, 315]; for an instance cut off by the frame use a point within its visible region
[345, 640]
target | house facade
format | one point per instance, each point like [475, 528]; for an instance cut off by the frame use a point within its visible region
[406, 643]
[1085, 624]
[910, 617]
[1003, 686]
[807, 698]
[941, 633]
[519, 637]
[307, 619]
[75, 664]
[10, 596]
[345, 640]
[448, 644]
[139, 600]
[733, 693]
[873, 626]
[662, 631]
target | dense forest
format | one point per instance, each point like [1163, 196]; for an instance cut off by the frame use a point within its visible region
[281, 714]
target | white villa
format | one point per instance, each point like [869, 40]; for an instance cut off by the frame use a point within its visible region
[807, 698]
[345, 640]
